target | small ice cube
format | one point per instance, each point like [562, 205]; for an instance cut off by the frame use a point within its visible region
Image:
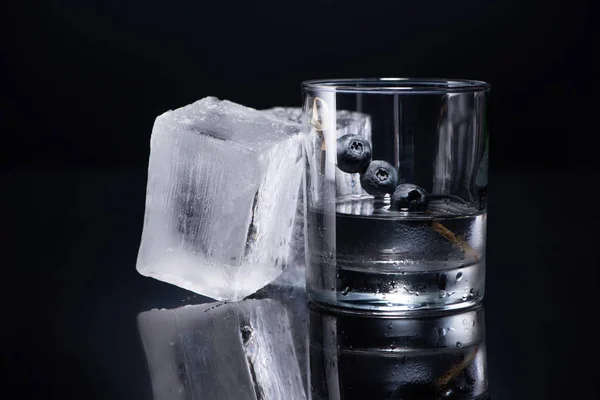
[222, 198]
[238, 350]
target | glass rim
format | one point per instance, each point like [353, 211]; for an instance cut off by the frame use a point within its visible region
[396, 85]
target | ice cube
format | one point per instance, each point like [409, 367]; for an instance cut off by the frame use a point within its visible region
[219, 351]
[222, 198]
[292, 114]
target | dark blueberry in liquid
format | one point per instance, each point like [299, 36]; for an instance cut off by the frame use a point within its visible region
[353, 153]
[379, 178]
[409, 197]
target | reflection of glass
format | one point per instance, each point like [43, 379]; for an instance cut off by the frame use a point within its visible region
[244, 350]
[396, 180]
[363, 356]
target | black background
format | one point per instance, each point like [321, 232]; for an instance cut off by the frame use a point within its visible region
[82, 82]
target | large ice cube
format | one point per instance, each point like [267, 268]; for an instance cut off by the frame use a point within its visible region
[221, 351]
[222, 198]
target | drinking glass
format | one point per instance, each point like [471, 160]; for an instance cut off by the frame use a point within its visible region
[395, 192]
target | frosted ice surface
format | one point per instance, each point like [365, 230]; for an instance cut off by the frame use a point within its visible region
[222, 198]
[292, 114]
[221, 351]
[224, 205]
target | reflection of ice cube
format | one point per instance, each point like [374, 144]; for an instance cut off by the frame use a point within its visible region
[460, 107]
[221, 351]
[289, 289]
[456, 153]
[222, 197]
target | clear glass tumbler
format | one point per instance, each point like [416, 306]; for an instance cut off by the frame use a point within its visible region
[395, 192]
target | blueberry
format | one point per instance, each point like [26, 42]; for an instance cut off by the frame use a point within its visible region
[379, 178]
[353, 153]
[409, 196]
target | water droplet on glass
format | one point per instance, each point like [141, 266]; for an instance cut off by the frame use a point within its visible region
[333, 288]
[416, 293]
[383, 296]
[459, 276]
[464, 297]
[465, 321]
[389, 304]
[346, 290]
[442, 294]
[458, 344]
[392, 346]
[390, 325]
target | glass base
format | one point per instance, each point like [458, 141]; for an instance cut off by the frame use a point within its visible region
[449, 289]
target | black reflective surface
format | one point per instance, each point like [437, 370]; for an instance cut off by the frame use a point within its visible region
[82, 83]
[72, 295]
